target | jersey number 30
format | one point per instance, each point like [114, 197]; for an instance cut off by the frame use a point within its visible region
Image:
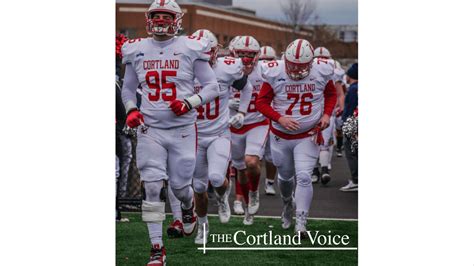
[153, 81]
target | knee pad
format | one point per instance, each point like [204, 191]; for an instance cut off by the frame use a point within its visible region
[200, 186]
[184, 193]
[216, 180]
[153, 212]
[154, 191]
[303, 179]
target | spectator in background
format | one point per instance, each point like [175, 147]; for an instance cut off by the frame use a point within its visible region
[350, 105]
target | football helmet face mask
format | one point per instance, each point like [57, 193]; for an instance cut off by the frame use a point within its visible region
[248, 49]
[164, 25]
[298, 59]
[322, 52]
[267, 53]
[215, 46]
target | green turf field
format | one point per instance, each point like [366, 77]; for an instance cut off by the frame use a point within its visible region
[132, 245]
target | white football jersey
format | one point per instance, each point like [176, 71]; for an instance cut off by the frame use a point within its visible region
[255, 78]
[213, 117]
[165, 72]
[303, 100]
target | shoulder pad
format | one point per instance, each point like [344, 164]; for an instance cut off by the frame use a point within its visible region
[271, 69]
[129, 48]
[199, 48]
[231, 66]
[325, 67]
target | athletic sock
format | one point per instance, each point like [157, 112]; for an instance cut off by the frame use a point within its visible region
[303, 196]
[238, 188]
[286, 187]
[202, 220]
[269, 181]
[155, 231]
[175, 205]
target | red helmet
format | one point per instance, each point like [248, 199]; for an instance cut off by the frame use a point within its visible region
[169, 27]
[298, 59]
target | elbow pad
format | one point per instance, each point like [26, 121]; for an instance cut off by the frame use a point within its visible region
[240, 84]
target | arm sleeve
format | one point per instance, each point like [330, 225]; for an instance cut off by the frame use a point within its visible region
[245, 97]
[264, 100]
[350, 104]
[330, 98]
[130, 85]
[240, 83]
[207, 78]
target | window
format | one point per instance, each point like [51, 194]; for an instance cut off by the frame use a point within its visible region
[341, 35]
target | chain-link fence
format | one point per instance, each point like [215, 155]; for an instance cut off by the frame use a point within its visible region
[129, 188]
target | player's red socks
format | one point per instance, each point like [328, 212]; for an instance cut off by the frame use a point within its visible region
[245, 191]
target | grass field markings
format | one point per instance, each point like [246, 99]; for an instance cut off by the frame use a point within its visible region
[277, 217]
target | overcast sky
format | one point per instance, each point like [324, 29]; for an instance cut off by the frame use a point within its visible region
[329, 11]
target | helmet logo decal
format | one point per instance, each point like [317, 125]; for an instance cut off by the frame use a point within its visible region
[298, 48]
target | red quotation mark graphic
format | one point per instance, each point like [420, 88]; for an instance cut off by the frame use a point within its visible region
[207, 110]
[252, 104]
[305, 106]
[153, 81]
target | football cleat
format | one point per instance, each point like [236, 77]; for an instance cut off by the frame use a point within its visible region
[315, 175]
[269, 189]
[223, 207]
[175, 230]
[350, 187]
[238, 208]
[248, 219]
[325, 177]
[254, 202]
[189, 220]
[287, 214]
[300, 226]
[201, 234]
[157, 256]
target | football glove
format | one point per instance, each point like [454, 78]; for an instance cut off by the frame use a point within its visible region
[237, 120]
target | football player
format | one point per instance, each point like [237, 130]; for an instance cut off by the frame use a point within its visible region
[299, 97]
[267, 53]
[213, 152]
[248, 142]
[325, 156]
[165, 66]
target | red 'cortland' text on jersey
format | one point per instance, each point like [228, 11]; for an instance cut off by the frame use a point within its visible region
[304, 99]
[165, 72]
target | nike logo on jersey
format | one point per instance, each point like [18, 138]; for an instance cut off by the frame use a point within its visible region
[140, 54]
[177, 53]
[184, 136]
[281, 79]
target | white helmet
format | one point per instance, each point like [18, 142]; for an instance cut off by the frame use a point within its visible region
[248, 49]
[267, 53]
[232, 42]
[322, 52]
[298, 59]
[212, 40]
[161, 26]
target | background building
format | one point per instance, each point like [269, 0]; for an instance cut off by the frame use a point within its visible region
[227, 21]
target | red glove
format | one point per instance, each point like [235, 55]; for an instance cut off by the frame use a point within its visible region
[134, 119]
[180, 107]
